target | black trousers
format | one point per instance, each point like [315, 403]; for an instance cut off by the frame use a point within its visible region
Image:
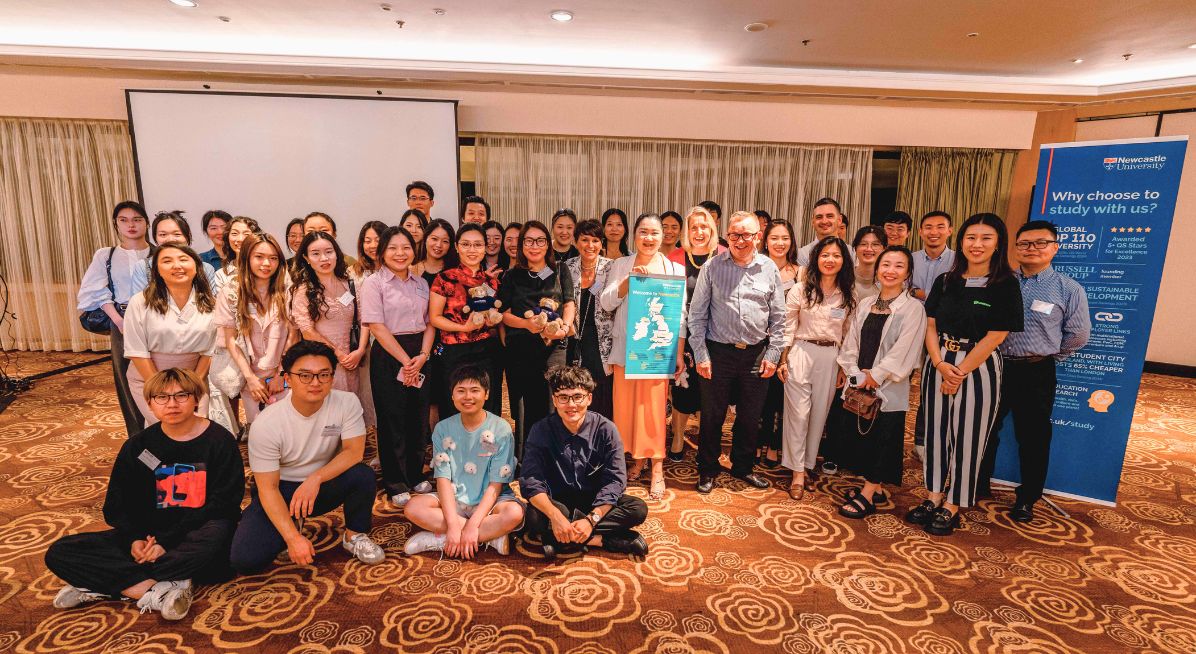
[101, 561]
[526, 361]
[772, 416]
[1027, 392]
[627, 514]
[731, 368]
[120, 376]
[402, 417]
[483, 354]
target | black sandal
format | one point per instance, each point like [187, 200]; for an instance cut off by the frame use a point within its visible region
[863, 508]
[877, 497]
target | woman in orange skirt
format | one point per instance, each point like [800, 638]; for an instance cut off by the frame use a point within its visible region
[640, 403]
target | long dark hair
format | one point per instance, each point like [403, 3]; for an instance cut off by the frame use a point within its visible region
[606, 215]
[450, 257]
[308, 277]
[998, 266]
[845, 280]
[157, 296]
[549, 256]
[791, 254]
[365, 263]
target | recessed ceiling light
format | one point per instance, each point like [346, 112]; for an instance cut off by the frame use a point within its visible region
[184, 3]
[755, 27]
[1077, 61]
[561, 15]
[223, 19]
[438, 11]
[384, 7]
[973, 34]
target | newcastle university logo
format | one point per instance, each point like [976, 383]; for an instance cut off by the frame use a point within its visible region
[1135, 163]
[1110, 163]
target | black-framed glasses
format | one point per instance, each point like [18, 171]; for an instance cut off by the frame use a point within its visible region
[307, 377]
[571, 398]
[162, 399]
[737, 236]
[1040, 244]
[536, 242]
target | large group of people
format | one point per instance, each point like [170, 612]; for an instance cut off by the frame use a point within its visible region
[418, 337]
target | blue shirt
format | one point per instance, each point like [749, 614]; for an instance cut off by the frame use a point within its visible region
[926, 270]
[212, 258]
[1056, 317]
[563, 464]
[473, 460]
[738, 304]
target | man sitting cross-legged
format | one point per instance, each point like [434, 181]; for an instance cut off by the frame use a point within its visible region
[305, 453]
[574, 474]
[473, 461]
[173, 502]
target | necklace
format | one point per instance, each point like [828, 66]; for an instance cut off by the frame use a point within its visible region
[882, 305]
[689, 255]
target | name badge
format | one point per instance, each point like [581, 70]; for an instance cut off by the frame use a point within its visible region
[331, 431]
[152, 462]
[839, 313]
[975, 282]
[1045, 308]
[544, 273]
[253, 309]
[346, 299]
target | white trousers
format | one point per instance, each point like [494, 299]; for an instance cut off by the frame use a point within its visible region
[809, 393]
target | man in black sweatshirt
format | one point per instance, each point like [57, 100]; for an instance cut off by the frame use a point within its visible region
[173, 501]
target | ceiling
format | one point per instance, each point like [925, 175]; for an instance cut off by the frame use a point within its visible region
[1022, 47]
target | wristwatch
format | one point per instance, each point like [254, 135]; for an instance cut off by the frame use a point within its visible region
[594, 517]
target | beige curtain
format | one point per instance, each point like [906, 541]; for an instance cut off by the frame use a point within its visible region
[960, 181]
[528, 176]
[59, 180]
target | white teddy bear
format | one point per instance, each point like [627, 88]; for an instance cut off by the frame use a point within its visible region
[470, 468]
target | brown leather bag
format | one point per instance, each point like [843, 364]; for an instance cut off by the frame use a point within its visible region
[865, 404]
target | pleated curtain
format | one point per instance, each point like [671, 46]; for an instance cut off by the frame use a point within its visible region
[526, 176]
[59, 180]
[960, 181]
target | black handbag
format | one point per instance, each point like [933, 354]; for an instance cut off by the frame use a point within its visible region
[355, 328]
[97, 321]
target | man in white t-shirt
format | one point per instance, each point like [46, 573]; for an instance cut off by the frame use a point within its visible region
[306, 455]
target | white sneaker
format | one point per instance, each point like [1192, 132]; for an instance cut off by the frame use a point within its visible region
[365, 549]
[70, 597]
[424, 541]
[423, 488]
[171, 599]
[400, 500]
[502, 544]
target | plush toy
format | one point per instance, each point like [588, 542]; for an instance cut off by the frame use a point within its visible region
[483, 305]
[546, 316]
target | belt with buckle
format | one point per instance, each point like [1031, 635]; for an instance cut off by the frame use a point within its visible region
[819, 343]
[1028, 359]
[953, 344]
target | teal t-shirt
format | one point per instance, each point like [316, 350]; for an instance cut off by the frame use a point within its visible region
[474, 459]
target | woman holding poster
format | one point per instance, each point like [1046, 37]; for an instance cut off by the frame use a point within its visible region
[640, 403]
[969, 312]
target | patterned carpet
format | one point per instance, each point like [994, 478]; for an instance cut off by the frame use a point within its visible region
[735, 571]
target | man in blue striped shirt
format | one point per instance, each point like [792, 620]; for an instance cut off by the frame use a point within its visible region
[1056, 326]
[736, 329]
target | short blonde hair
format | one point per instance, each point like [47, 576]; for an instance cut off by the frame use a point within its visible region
[187, 380]
[700, 213]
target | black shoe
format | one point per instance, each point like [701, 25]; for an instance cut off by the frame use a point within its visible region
[1021, 512]
[877, 497]
[705, 484]
[629, 543]
[770, 463]
[943, 523]
[753, 479]
[677, 457]
[921, 514]
[549, 552]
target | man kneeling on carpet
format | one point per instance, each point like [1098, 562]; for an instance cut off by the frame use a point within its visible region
[473, 461]
[173, 502]
[574, 474]
[305, 452]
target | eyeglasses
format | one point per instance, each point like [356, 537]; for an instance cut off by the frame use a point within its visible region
[536, 242]
[1037, 245]
[418, 198]
[162, 399]
[307, 377]
[571, 398]
[741, 236]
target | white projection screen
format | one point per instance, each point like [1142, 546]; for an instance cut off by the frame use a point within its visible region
[277, 157]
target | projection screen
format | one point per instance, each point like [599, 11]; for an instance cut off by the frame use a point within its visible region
[277, 157]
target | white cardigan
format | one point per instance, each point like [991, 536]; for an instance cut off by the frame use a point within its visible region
[901, 348]
[620, 269]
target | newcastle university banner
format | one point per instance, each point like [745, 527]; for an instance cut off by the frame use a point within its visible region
[654, 307]
[1113, 202]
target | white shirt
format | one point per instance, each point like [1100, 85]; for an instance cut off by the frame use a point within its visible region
[284, 440]
[93, 288]
[902, 346]
[178, 331]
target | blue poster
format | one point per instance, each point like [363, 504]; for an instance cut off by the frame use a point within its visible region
[1113, 202]
[655, 304]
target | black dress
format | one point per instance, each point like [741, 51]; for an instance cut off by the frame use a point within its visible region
[585, 349]
[878, 445]
[689, 399]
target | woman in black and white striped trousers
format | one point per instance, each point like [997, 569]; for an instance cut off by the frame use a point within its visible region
[969, 312]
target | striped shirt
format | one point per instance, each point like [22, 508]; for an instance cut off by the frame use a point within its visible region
[1056, 311]
[738, 304]
[926, 270]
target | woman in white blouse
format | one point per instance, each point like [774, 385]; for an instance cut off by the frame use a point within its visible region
[816, 310]
[169, 325]
[639, 404]
[108, 285]
[251, 315]
[225, 380]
